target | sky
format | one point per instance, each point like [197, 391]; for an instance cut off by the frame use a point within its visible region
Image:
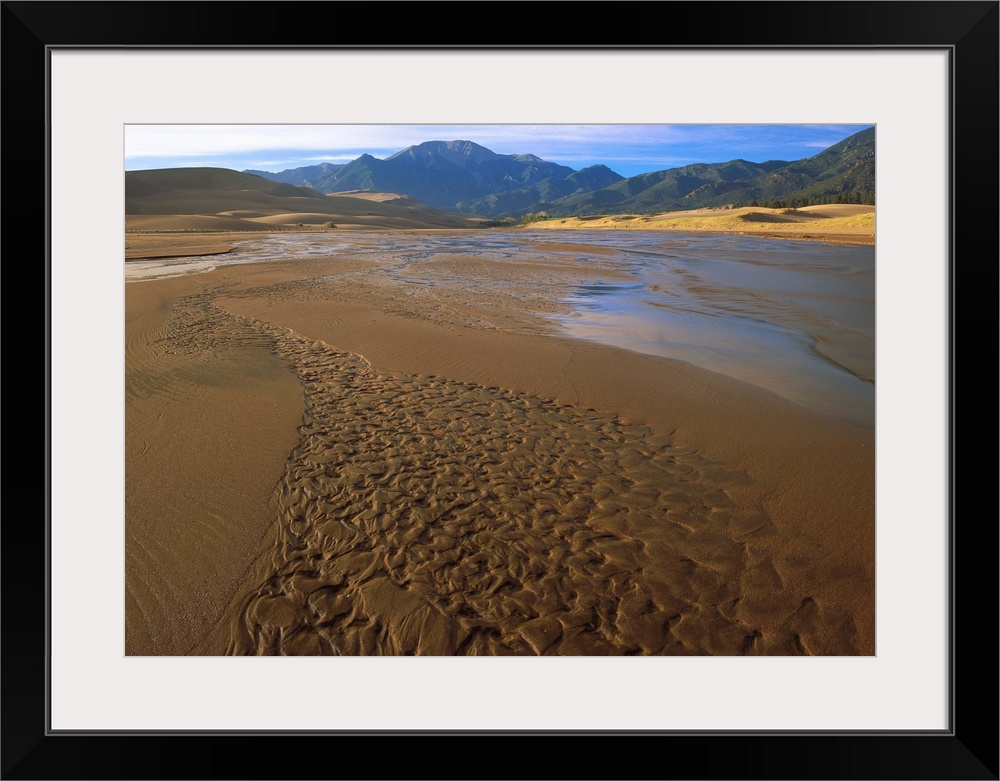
[627, 149]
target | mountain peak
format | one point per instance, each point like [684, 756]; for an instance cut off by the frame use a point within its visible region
[597, 167]
[454, 151]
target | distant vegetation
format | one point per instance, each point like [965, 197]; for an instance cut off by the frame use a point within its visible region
[866, 197]
[518, 222]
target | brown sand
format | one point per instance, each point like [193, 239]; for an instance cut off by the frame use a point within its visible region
[463, 481]
[140, 246]
[200, 468]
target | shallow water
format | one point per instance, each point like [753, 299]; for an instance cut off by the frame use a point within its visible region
[794, 317]
[797, 318]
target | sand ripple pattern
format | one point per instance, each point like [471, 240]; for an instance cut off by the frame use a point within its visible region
[420, 515]
[425, 516]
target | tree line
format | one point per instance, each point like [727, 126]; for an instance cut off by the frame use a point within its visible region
[866, 197]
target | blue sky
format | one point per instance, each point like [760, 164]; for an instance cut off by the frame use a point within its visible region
[627, 149]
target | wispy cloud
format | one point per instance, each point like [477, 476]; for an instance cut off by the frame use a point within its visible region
[628, 149]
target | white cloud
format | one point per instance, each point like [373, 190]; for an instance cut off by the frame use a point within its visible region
[198, 140]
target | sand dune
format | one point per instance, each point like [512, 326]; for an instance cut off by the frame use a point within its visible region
[372, 195]
[844, 223]
[837, 210]
[285, 218]
[206, 199]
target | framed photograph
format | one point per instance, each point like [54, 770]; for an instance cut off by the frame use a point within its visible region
[891, 698]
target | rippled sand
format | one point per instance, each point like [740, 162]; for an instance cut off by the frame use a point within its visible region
[380, 448]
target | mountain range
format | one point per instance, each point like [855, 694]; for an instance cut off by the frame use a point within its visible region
[465, 177]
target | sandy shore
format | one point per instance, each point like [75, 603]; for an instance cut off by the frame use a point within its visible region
[323, 459]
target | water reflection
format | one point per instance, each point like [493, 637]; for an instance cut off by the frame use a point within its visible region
[797, 318]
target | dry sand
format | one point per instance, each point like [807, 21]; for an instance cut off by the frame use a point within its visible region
[320, 460]
[839, 223]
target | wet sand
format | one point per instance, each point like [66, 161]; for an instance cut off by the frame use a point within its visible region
[340, 454]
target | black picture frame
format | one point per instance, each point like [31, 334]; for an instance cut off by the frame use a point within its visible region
[967, 750]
